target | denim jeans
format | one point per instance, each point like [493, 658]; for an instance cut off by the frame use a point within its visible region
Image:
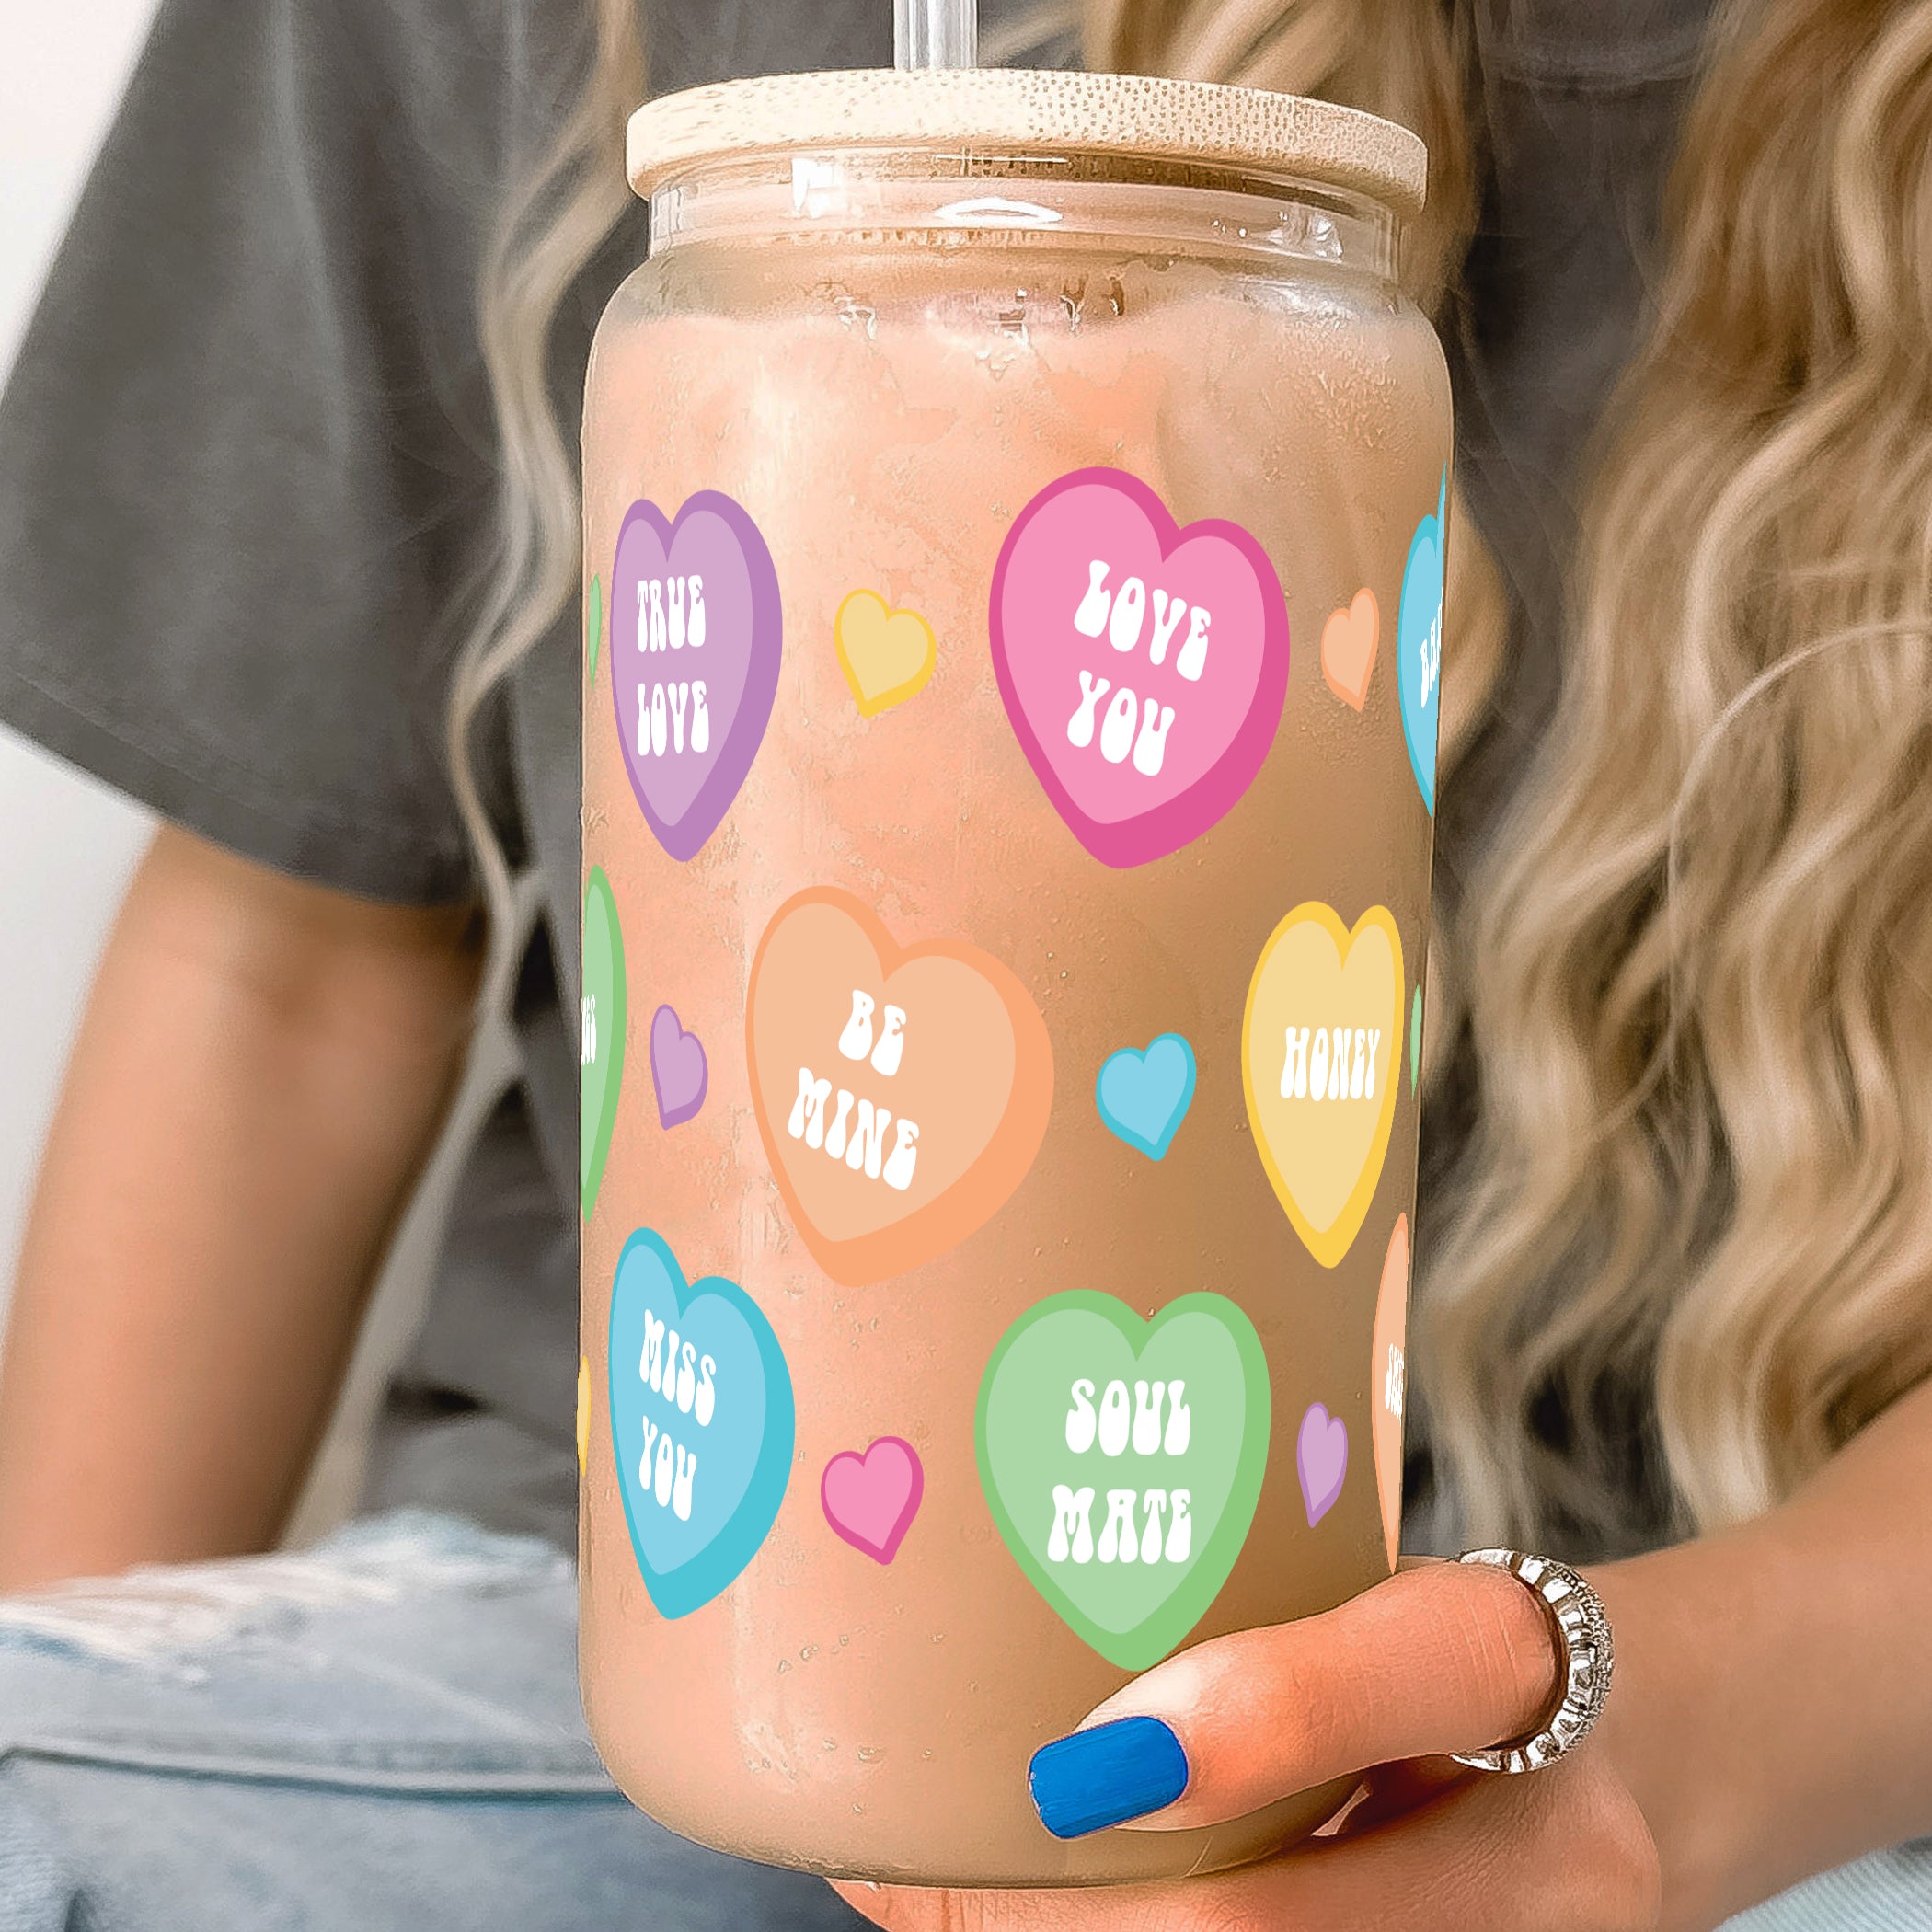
[384, 1732]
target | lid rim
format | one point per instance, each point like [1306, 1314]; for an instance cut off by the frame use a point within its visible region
[1007, 111]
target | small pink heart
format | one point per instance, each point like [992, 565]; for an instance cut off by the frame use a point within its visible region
[1348, 649]
[1321, 1457]
[870, 1499]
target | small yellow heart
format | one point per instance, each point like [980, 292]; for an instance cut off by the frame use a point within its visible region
[887, 655]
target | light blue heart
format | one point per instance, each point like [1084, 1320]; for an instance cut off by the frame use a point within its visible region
[1419, 644]
[1144, 1097]
[744, 1451]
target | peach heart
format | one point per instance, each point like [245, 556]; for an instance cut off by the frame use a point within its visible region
[902, 1092]
[1348, 649]
[1321, 1048]
[887, 655]
[1388, 1383]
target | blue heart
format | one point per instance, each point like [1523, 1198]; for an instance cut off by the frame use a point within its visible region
[1144, 1097]
[697, 1514]
[1419, 644]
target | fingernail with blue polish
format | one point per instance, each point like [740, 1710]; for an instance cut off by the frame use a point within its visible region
[1105, 1776]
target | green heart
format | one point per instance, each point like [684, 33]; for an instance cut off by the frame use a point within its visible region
[602, 1031]
[1033, 1437]
[1415, 1037]
[593, 628]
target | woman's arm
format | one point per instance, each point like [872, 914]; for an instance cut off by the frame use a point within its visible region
[1770, 1717]
[257, 1080]
[1774, 1715]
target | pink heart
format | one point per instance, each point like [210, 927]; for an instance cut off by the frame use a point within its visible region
[870, 1499]
[1144, 666]
[1321, 1459]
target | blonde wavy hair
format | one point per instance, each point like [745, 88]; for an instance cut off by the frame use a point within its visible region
[1694, 963]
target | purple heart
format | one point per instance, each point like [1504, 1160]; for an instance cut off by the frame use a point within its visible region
[1321, 1455]
[696, 633]
[677, 1068]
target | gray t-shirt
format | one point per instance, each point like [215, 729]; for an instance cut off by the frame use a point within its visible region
[246, 465]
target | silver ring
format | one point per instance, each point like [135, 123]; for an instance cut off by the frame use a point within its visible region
[1585, 1656]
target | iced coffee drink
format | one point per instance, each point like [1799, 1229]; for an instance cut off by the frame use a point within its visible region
[1013, 570]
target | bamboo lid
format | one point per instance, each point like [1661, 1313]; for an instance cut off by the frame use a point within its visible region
[996, 110]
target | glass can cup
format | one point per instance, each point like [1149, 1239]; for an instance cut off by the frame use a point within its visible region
[1013, 530]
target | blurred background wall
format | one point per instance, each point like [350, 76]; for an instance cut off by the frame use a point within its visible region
[66, 843]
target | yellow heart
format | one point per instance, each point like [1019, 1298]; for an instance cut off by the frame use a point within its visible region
[887, 655]
[1321, 1045]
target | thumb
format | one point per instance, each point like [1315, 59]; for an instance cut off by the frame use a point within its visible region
[1448, 1658]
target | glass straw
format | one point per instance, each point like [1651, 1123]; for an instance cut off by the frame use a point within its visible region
[935, 33]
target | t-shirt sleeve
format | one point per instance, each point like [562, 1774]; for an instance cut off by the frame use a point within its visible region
[246, 451]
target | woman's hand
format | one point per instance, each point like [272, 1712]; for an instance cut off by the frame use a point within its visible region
[1440, 1659]
[1769, 1718]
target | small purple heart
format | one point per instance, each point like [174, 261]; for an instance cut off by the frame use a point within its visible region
[1321, 1455]
[677, 1068]
[696, 636]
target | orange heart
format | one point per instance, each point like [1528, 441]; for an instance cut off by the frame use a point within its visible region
[1348, 649]
[887, 655]
[902, 1092]
[1388, 1383]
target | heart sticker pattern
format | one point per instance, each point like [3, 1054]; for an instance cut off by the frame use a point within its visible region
[696, 633]
[1321, 1459]
[1415, 1038]
[870, 1499]
[1144, 1097]
[1348, 649]
[1418, 643]
[902, 1092]
[678, 1068]
[887, 655]
[1144, 666]
[593, 628]
[1388, 1383]
[601, 1034]
[1122, 1459]
[1321, 1047]
[702, 1423]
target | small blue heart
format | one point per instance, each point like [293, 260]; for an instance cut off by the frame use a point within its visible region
[699, 1510]
[1144, 1097]
[1419, 644]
